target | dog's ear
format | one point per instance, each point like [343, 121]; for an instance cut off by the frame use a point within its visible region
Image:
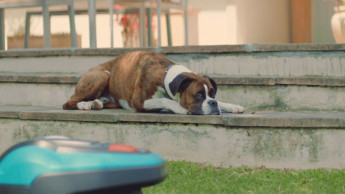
[180, 83]
[213, 83]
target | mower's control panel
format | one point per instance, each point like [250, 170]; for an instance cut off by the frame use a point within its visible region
[62, 144]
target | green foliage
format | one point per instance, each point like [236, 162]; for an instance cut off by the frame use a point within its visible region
[185, 177]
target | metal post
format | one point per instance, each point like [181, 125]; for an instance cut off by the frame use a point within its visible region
[186, 21]
[111, 13]
[27, 30]
[46, 25]
[167, 16]
[142, 25]
[149, 27]
[2, 29]
[92, 23]
[159, 25]
[71, 13]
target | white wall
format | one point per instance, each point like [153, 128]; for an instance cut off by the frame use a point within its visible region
[243, 21]
[262, 21]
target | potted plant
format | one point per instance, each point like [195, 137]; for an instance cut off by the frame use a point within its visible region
[130, 32]
[338, 21]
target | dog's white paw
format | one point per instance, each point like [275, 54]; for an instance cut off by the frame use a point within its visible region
[90, 105]
[230, 108]
[180, 110]
[238, 109]
[84, 105]
[165, 104]
[97, 105]
[175, 107]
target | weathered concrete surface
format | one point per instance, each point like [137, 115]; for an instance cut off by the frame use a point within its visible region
[216, 49]
[72, 78]
[254, 93]
[279, 81]
[49, 78]
[259, 119]
[54, 64]
[282, 98]
[288, 77]
[267, 64]
[53, 95]
[274, 140]
[252, 60]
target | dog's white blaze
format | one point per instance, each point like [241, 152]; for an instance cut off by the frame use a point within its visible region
[205, 106]
[124, 104]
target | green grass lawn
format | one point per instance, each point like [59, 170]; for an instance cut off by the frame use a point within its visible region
[185, 177]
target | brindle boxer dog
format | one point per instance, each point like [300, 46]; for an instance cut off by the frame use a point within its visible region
[146, 82]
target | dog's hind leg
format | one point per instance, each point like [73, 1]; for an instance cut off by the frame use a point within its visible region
[107, 100]
[89, 88]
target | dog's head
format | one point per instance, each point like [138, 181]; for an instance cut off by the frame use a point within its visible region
[197, 93]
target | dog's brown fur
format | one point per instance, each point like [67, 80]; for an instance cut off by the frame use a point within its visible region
[188, 99]
[134, 77]
[131, 78]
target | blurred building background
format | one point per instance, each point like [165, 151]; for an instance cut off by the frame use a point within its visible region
[217, 22]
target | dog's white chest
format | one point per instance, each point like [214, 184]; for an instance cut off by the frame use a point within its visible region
[161, 93]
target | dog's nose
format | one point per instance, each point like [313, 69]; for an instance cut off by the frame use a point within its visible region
[213, 103]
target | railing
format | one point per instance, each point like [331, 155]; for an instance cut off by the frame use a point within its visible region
[46, 19]
[141, 6]
[159, 6]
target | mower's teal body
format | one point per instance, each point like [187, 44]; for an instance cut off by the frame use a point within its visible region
[63, 165]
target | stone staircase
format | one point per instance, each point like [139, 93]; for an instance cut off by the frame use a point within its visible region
[294, 97]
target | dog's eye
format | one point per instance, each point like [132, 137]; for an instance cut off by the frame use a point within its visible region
[199, 95]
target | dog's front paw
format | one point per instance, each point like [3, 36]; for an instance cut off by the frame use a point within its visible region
[181, 111]
[231, 108]
[238, 109]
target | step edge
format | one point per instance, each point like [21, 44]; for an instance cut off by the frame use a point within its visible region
[220, 80]
[257, 120]
[241, 48]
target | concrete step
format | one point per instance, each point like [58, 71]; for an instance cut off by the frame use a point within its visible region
[240, 60]
[294, 95]
[271, 139]
[256, 93]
